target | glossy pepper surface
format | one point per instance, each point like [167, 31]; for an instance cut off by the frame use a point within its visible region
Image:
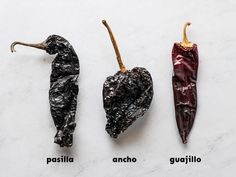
[184, 80]
[63, 86]
[127, 95]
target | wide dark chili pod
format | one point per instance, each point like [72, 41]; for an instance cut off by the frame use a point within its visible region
[63, 86]
[126, 96]
[185, 69]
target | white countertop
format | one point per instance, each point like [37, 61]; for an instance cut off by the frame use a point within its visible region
[145, 32]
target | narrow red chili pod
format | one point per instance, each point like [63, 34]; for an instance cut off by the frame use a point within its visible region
[185, 68]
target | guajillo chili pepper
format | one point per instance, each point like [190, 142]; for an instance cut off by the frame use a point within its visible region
[127, 95]
[63, 86]
[185, 69]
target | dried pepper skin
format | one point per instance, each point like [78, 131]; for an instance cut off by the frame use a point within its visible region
[185, 70]
[63, 85]
[63, 88]
[126, 97]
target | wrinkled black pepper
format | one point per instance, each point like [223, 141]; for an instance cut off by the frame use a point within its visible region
[63, 86]
[126, 96]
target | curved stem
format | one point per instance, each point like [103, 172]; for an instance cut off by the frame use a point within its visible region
[121, 65]
[185, 42]
[38, 46]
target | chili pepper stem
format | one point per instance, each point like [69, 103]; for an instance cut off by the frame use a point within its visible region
[121, 65]
[38, 46]
[185, 42]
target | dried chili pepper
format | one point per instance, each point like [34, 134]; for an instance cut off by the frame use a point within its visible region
[126, 96]
[185, 69]
[63, 86]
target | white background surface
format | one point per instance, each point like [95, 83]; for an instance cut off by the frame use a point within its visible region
[145, 31]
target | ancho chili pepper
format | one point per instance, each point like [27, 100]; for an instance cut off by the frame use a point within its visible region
[185, 69]
[63, 86]
[126, 96]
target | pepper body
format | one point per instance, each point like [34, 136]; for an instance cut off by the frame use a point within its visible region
[126, 97]
[63, 89]
[63, 85]
[185, 70]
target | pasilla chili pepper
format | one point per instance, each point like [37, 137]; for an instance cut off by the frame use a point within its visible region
[126, 96]
[63, 86]
[185, 69]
